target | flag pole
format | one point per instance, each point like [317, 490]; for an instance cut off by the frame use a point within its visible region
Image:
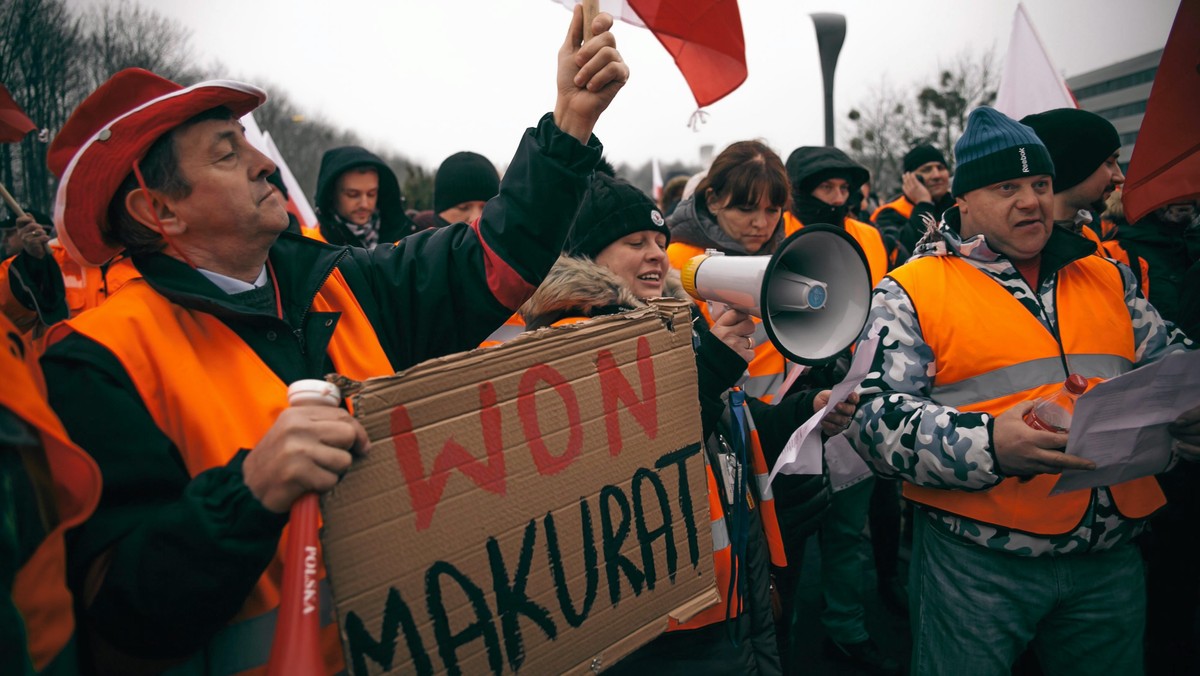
[590, 9]
[12, 203]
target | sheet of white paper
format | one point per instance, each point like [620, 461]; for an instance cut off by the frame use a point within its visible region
[846, 467]
[1121, 424]
[802, 453]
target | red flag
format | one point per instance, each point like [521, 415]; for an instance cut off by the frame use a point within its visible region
[1165, 166]
[704, 37]
[13, 123]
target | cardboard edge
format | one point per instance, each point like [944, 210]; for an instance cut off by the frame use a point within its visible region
[647, 633]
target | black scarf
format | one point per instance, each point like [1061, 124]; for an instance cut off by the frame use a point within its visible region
[810, 211]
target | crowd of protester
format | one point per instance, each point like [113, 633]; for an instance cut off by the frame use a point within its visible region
[173, 288]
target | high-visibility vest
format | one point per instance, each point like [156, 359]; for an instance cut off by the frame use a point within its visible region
[722, 543]
[767, 371]
[900, 204]
[1113, 249]
[39, 589]
[313, 232]
[88, 287]
[991, 354]
[865, 234]
[217, 397]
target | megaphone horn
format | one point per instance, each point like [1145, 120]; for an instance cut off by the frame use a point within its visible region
[812, 294]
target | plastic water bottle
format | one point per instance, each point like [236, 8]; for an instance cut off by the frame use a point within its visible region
[1053, 413]
[296, 646]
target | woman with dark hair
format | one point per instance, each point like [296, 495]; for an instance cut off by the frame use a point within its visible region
[738, 210]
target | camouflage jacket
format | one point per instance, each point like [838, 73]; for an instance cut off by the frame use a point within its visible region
[902, 433]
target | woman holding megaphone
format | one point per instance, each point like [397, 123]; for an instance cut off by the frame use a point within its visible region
[615, 259]
[739, 209]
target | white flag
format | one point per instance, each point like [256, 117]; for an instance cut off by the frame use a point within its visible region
[1029, 83]
[656, 182]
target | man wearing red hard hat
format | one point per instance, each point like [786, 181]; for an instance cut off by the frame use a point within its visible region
[177, 384]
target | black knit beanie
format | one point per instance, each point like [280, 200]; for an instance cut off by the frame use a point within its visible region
[464, 177]
[1079, 141]
[993, 148]
[611, 209]
[922, 154]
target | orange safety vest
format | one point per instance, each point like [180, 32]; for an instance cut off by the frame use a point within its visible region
[992, 354]
[900, 204]
[39, 589]
[87, 287]
[722, 545]
[1112, 248]
[313, 232]
[214, 376]
[865, 234]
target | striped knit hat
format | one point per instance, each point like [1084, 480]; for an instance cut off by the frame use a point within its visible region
[994, 148]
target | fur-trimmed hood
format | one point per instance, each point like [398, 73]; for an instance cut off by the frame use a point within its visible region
[579, 287]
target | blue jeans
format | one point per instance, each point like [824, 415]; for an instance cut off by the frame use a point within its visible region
[974, 609]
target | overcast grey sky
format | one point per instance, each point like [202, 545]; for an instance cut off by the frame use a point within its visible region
[428, 78]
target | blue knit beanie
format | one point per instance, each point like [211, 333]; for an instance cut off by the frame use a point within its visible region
[994, 148]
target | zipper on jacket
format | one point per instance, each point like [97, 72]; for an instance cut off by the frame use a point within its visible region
[298, 332]
[1062, 352]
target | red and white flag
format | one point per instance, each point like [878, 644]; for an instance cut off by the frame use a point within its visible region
[703, 36]
[1165, 166]
[1029, 83]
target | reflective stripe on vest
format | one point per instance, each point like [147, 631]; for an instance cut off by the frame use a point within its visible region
[986, 344]
[766, 498]
[1027, 375]
[720, 534]
[721, 553]
[900, 204]
[511, 328]
[144, 330]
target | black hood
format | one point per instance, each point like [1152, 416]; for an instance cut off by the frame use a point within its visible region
[393, 222]
[809, 165]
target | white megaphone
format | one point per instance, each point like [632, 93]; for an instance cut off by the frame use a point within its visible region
[812, 294]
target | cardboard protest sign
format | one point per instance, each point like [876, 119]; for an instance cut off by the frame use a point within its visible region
[538, 507]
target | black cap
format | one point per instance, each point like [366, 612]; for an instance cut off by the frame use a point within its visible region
[464, 177]
[1079, 142]
[922, 154]
[611, 209]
